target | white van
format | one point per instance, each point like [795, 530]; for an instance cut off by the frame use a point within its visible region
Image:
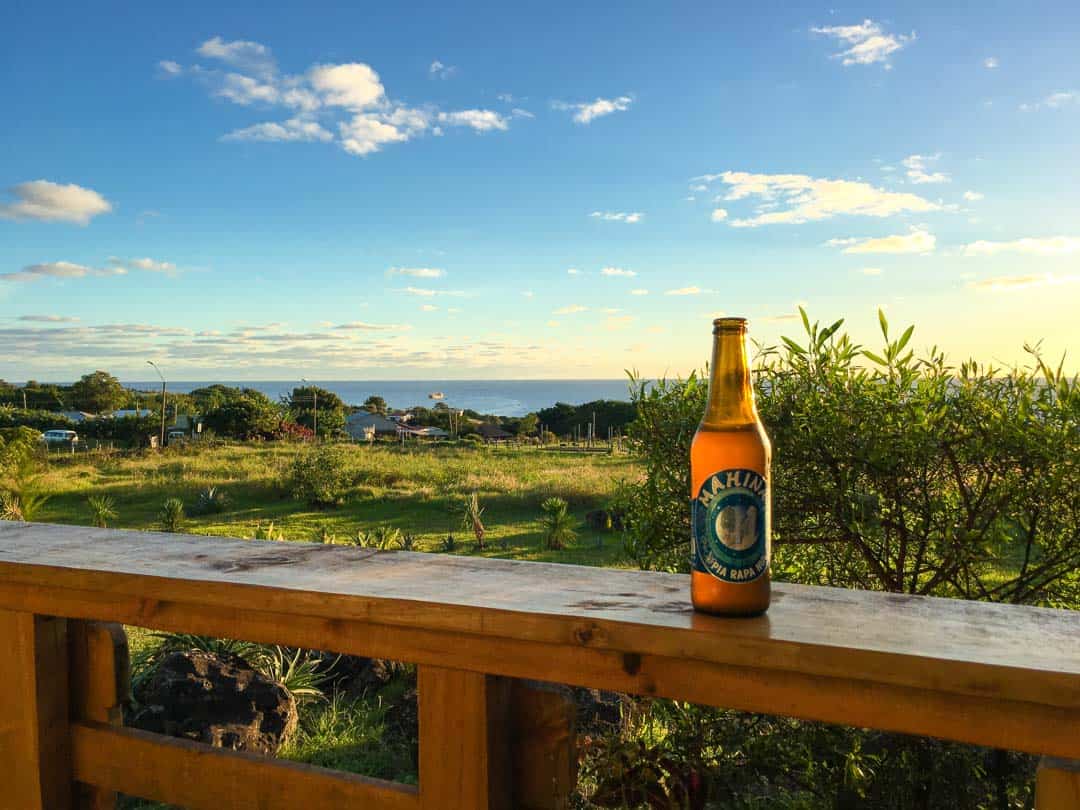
[60, 436]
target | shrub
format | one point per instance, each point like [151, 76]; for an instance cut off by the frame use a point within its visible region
[556, 524]
[102, 510]
[171, 515]
[320, 476]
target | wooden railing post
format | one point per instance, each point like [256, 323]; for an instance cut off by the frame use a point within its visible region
[1057, 784]
[543, 746]
[34, 728]
[100, 677]
[464, 744]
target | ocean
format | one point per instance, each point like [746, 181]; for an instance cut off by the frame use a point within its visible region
[501, 397]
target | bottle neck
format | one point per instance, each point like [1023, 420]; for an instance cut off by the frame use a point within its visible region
[731, 393]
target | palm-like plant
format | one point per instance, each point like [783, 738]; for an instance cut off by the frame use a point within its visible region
[102, 510]
[171, 515]
[556, 524]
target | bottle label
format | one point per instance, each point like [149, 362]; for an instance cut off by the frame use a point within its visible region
[727, 519]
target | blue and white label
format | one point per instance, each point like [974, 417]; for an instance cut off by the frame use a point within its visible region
[727, 520]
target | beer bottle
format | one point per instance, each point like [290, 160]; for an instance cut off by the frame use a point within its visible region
[729, 487]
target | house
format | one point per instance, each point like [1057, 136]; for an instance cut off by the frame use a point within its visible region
[419, 432]
[493, 434]
[364, 426]
[399, 416]
[76, 416]
[127, 413]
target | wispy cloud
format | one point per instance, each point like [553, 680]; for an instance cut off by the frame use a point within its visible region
[1031, 246]
[1054, 101]
[293, 129]
[479, 120]
[799, 198]
[972, 196]
[918, 240]
[618, 272]
[417, 272]
[572, 271]
[866, 43]
[586, 112]
[45, 201]
[1010, 283]
[692, 290]
[570, 309]
[618, 216]
[918, 169]
[364, 326]
[48, 319]
[639, 291]
[990, 63]
[440, 70]
[718, 215]
[425, 292]
[59, 270]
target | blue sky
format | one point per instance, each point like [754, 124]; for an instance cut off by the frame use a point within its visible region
[556, 191]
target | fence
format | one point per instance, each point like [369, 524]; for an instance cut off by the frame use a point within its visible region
[478, 629]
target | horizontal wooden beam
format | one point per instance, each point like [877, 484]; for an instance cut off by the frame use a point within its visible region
[201, 777]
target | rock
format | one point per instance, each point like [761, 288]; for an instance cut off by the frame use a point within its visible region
[357, 674]
[218, 700]
[599, 711]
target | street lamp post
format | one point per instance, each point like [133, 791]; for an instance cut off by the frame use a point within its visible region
[161, 441]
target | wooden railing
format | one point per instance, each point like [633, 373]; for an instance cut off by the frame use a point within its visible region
[993, 675]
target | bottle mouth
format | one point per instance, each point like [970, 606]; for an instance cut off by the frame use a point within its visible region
[729, 325]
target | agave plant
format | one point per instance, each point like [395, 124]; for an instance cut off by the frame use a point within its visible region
[267, 532]
[102, 510]
[556, 524]
[211, 501]
[324, 535]
[22, 505]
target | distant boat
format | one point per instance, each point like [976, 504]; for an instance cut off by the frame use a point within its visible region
[436, 395]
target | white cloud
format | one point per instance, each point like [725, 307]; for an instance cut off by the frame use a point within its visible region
[866, 43]
[799, 198]
[294, 129]
[685, 291]
[573, 271]
[1054, 101]
[618, 216]
[917, 241]
[45, 201]
[570, 309]
[972, 196]
[148, 264]
[429, 293]
[48, 319]
[245, 90]
[479, 120]
[617, 271]
[253, 57]
[354, 85]
[871, 271]
[639, 292]
[1009, 283]
[428, 308]
[365, 133]
[60, 269]
[990, 62]
[417, 272]
[586, 112]
[364, 326]
[440, 70]
[169, 68]
[718, 215]
[1031, 246]
[917, 169]
[518, 112]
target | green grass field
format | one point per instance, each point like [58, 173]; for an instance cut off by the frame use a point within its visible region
[414, 489]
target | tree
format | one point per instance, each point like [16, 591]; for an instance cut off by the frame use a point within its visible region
[307, 400]
[375, 404]
[527, 425]
[244, 414]
[99, 392]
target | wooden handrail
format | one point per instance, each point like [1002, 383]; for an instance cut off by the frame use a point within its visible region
[995, 675]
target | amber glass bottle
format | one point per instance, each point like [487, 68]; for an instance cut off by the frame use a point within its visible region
[729, 487]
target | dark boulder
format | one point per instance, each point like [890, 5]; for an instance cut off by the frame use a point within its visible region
[218, 700]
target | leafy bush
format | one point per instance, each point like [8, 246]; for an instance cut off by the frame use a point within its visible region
[556, 524]
[102, 510]
[171, 515]
[890, 472]
[243, 414]
[320, 476]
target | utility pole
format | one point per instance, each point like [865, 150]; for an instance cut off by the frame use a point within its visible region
[161, 441]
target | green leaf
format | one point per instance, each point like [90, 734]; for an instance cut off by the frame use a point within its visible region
[881, 361]
[884, 323]
[805, 320]
[793, 346]
[904, 338]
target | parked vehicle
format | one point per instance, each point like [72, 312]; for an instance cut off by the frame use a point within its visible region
[58, 436]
